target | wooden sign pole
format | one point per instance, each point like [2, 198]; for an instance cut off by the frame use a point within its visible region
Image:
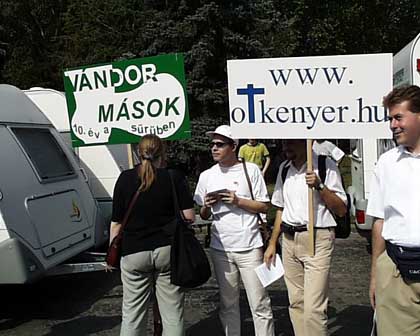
[311, 230]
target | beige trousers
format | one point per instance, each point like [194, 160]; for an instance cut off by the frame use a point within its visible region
[397, 301]
[307, 280]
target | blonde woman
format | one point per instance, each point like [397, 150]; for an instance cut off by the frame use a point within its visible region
[147, 238]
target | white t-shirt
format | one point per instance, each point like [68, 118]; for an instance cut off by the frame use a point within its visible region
[395, 196]
[233, 229]
[327, 148]
[293, 195]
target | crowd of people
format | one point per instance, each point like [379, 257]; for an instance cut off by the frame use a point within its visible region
[236, 248]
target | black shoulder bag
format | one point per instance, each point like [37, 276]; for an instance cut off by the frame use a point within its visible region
[189, 264]
[343, 228]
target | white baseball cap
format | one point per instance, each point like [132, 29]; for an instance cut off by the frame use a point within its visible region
[223, 130]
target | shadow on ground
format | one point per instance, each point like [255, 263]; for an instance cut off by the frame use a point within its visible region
[353, 320]
[60, 298]
[89, 325]
[211, 326]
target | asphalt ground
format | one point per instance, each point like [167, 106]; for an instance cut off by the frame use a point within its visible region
[90, 303]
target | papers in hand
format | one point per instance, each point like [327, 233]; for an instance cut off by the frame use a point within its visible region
[219, 207]
[268, 276]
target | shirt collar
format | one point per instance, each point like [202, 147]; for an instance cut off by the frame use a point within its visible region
[302, 168]
[403, 151]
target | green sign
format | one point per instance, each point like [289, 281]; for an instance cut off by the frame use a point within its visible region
[122, 101]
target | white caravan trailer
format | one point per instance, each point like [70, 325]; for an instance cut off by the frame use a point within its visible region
[47, 212]
[101, 164]
[406, 71]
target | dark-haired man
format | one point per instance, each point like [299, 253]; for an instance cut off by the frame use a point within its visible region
[236, 244]
[394, 202]
[306, 276]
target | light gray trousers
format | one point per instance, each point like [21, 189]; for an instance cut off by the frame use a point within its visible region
[138, 272]
[229, 268]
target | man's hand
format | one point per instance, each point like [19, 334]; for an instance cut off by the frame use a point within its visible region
[209, 201]
[372, 293]
[229, 197]
[312, 179]
[270, 255]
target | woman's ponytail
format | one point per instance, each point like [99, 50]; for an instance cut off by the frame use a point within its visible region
[152, 151]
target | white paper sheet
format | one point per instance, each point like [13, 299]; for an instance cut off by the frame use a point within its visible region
[374, 332]
[268, 276]
[220, 208]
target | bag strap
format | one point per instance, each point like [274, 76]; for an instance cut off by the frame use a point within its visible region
[262, 223]
[322, 170]
[129, 209]
[284, 171]
[248, 179]
[175, 197]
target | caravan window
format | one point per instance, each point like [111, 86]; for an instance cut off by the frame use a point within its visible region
[45, 153]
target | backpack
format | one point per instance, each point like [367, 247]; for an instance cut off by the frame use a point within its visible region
[343, 227]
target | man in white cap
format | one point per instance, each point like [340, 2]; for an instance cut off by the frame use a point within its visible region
[236, 243]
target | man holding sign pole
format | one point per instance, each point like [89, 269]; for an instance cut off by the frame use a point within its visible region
[306, 276]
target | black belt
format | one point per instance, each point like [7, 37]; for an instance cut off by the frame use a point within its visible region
[292, 229]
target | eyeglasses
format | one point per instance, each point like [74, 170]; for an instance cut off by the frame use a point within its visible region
[218, 144]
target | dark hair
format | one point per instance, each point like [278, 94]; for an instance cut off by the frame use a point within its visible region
[151, 149]
[399, 95]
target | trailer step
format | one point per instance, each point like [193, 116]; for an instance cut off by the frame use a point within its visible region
[76, 268]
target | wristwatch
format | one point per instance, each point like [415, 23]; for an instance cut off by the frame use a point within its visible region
[320, 187]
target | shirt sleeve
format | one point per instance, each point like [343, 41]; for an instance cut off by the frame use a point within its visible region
[277, 198]
[333, 180]
[118, 201]
[201, 189]
[265, 150]
[375, 207]
[183, 191]
[258, 185]
[241, 152]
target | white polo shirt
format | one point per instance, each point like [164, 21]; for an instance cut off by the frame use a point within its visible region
[233, 229]
[293, 195]
[395, 196]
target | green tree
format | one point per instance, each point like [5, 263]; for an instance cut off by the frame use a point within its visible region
[30, 32]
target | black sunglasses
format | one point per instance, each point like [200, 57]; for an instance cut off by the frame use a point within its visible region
[218, 144]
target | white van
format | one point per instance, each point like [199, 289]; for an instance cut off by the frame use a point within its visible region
[101, 164]
[406, 71]
[365, 154]
[47, 211]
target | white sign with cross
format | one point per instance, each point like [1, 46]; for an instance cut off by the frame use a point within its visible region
[310, 97]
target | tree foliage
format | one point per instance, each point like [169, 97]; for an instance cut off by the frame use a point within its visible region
[41, 38]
